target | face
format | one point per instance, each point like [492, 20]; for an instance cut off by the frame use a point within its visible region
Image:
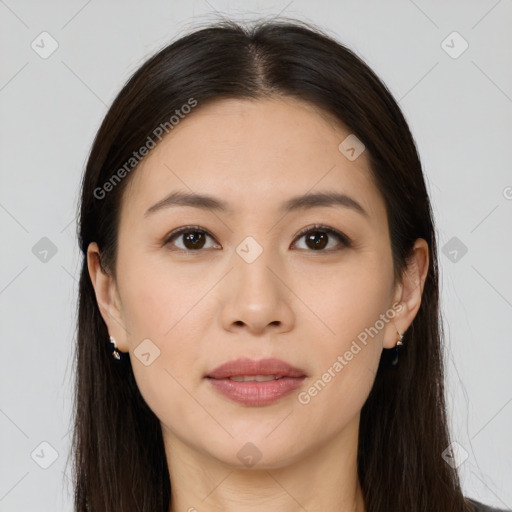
[244, 276]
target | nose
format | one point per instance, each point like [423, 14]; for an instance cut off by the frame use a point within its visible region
[256, 298]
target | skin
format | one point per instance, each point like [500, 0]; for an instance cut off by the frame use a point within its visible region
[293, 302]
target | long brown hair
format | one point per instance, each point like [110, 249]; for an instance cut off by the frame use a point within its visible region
[119, 458]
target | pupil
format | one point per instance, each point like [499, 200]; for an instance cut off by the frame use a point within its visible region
[194, 240]
[318, 240]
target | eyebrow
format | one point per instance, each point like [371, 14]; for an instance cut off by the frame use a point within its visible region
[302, 202]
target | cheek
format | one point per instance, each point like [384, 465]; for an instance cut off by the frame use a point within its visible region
[346, 366]
[158, 295]
[168, 384]
[349, 302]
[353, 316]
[165, 319]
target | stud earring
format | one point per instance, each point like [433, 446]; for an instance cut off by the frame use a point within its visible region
[400, 338]
[115, 353]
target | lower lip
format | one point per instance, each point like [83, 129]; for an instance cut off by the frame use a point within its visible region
[256, 393]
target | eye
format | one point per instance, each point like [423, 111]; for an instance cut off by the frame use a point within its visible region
[318, 238]
[193, 238]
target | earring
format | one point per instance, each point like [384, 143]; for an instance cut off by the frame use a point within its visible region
[397, 348]
[115, 353]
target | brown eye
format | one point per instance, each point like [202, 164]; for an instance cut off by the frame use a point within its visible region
[318, 238]
[190, 239]
[194, 240]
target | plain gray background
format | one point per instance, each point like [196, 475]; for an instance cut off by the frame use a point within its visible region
[459, 107]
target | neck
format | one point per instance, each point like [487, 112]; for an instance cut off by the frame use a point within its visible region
[323, 478]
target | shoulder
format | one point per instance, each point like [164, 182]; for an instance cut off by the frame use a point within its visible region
[480, 507]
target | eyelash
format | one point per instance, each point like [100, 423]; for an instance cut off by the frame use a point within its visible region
[344, 240]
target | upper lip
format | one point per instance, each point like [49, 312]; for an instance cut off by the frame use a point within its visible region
[251, 367]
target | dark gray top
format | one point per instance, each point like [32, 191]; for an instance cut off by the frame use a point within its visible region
[480, 507]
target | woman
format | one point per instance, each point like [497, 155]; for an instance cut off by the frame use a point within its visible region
[258, 313]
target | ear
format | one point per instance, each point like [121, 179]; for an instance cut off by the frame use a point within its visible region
[107, 297]
[409, 291]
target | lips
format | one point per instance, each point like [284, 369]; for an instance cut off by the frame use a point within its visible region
[255, 383]
[250, 367]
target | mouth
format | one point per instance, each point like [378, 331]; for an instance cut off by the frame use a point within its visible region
[256, 383]
[266, 369]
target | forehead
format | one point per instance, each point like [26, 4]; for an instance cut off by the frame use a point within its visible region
[253, 154]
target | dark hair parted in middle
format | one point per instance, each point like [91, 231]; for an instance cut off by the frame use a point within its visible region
[403, 428]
